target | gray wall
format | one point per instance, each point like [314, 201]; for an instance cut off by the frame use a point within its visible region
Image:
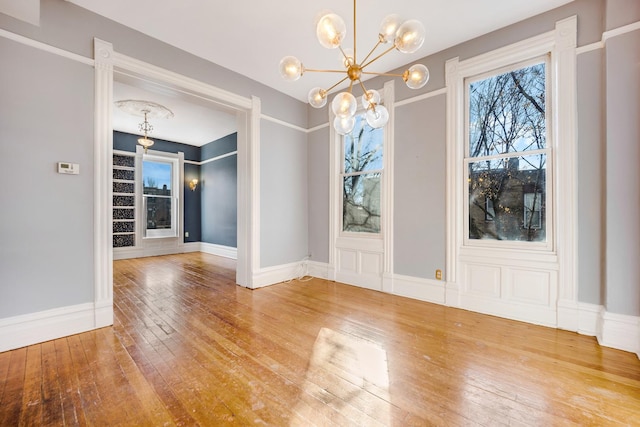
[318, 190]
[283, 195]
[419, 188]
[46, 220]
[623, 174]
[219, 192]
[591, 168]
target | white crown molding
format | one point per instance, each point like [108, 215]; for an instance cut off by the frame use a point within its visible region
[620, 31]
[431, 94]
[284, 123]
[213, 159]
[45, 47]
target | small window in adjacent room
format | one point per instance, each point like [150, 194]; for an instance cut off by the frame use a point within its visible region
[159, 198]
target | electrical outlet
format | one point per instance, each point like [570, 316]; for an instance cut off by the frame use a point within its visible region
[439, 274]
[186, 234]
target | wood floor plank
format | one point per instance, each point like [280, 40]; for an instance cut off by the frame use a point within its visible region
[189, 347]
[51, 394]
[72, 408]
[14, 389]
[32, 396]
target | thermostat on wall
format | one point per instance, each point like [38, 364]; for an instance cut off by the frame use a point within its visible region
[70, 168]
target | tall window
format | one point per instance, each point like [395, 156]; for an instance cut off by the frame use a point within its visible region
[361, 177]
[159, 198]
[507, 154]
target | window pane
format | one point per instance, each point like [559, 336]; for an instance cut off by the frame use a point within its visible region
[156, 178]
[363, 147]
[507, 112]
[361, 203]
[158, 213]
[514, 188]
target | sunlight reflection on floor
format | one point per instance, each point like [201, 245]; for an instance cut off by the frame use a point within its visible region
[351, 375]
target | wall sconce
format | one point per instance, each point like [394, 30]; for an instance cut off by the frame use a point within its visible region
[193, 184]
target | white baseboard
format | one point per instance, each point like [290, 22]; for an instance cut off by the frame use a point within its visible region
[190, 247]
[619, 331]
[219, 250]
[418, 288]
[318, 269]
[209, 248]
[33, 328]
[277, 274]
[588, 318]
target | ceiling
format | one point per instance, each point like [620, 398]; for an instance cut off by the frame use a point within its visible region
[251, 37]
[195, 121]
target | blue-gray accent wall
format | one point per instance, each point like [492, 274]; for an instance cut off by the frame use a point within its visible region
[210, 212]
[219, 209]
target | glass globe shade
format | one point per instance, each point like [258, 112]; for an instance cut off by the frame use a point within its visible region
[331, 30]
[317, 97]
[344, 105]
[290, 68]
[371, 97]
[347, 57]
[388, 28]
[416, 76]
[344, 126]
[410, 36]
[378, 116]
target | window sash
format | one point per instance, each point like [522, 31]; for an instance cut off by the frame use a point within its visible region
[501, 157]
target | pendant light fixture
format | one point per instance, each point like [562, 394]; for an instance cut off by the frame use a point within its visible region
[145, 127]
[406, 37]
[146, 109]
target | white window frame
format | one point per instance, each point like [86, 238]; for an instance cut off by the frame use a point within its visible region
[177, 164]
[561, 44]
[547, 244]
[372, 253]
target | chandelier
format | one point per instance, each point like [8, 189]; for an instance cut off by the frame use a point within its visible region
[145, 127]
[406, 37]
[137, 107]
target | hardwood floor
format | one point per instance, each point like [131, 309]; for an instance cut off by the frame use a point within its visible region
[189, 347]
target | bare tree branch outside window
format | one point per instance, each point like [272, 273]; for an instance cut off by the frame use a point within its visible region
[507, 155]
[362, 172]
